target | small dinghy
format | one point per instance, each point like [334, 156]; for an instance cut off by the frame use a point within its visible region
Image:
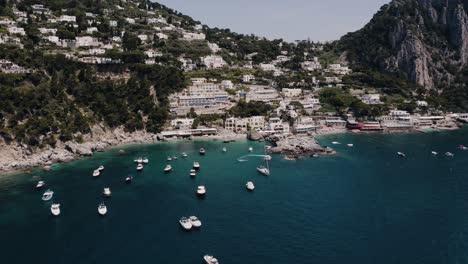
[40, 184]
[139, 167]
[201, 190]
[47, 195]
[96, 173]
[168, 168]
[102, 209]
[195, 221]
[129, 179]
[55, 209]
[185, 223]
[250, 186]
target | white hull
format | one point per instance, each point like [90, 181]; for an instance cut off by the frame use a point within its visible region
[185, 223]
[195, 222]
[55, 209]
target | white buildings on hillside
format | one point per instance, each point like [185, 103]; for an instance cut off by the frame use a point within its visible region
[288, 92]
[214, 47]
[202, 95]
[227, 84]
[267, 67]
[45, 31]
[16, 30]
[248, 78]
[213, 62]
[66, 18]
[338, 69]
[262, 93]
[153, 53]
[276, 126]
[182, 123]
[253, 123]
[371, 99]
[311, 65]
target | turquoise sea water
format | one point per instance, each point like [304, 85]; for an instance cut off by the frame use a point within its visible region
[364, 205]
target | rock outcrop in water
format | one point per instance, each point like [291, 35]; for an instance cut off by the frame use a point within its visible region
[296, 146]
[425, 40]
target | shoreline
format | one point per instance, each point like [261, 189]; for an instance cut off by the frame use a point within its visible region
[16, 158]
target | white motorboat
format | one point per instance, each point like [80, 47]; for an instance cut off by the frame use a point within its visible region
[336, 143]
[263, 170]
[168, 168]
[196, 165]
[449, 154]
[139, 167]
[96, 173]
[185, 223]
[434, 153]
[401, 154]
[102, 209]
[350, 145]
[139, 160]
[107, 192]
[169, 159]
[224, 149]
[129, 179]
[267, 157]
[210, 259]
[462, 147]
[202, 151]
[193, 173]
[145, 160]
[315, 155]
[250, 186]
[174, 157]
[101, 168]
[201, 190]
[184, 154]
[195, 221]
[40, 184]
[250, 149]
[55, 209]
[47, 195]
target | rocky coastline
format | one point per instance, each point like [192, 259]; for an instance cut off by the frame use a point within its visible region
[16, 156]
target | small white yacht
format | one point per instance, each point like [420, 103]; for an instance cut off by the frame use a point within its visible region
[434, 153]
[250, 186]
[463, 147]
[449, 154]
[210, 259]
[401, 154]
[224, 149]
[139, 160]
[139, 167]
[168, 168]
[263, 170]
[336, 143]
[196, 165]
[101, 168]
[40, 184]
[55, 209]
[107, 192]
[350, 145]
[129, 179]
[193, 173]
[102, 209]
[185, 223]
[201, 190]
[195, 221]
[96, 173]
[145, 160]
[184, 155]
[47, 195]
[202, 151]
[169, 158]
[250, 149]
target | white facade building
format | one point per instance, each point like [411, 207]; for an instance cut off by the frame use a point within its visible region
[287, 92]
[244, 124]
[213, 62]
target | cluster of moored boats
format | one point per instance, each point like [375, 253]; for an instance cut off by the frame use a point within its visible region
[55, 207]
[435, 153]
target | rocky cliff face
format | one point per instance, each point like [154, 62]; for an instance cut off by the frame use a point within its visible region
[426, 40]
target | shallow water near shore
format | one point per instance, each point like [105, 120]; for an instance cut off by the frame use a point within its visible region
[363, 205]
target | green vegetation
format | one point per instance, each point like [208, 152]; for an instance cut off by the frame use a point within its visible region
[252, 108]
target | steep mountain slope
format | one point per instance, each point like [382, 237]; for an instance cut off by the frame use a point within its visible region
[425, 41]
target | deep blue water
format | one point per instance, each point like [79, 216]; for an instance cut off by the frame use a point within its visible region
[364, 205]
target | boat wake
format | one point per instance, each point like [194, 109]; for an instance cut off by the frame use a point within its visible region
[245, 158]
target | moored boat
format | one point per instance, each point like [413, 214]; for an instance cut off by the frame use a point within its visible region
[40, 184]
[195, 221]
[250, 186]
[263, 170]
[336, 143]
[47, 195]
[101, 168]
[168, 168]
[184, 155]
[210, 259]
[224, 149]
[102, 209]
[196, 165]
[96, 173]
[250, 149]
[401, 154]
[462, 147]
[145, 160]
[55, 209]
[129, 179]
[202, 151]
[193, 173]
[449, 154]
[350, 145]
[169, 158]
[185, 223]
[139, 167]
[138, 160]
[107, 192]
[201, 190]
[434, 153]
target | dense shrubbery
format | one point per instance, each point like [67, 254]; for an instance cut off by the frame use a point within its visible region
[252, 108]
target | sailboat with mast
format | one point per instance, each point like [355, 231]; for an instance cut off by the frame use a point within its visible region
[265, 169]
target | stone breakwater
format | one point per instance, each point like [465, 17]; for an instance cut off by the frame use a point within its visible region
[16, 156]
